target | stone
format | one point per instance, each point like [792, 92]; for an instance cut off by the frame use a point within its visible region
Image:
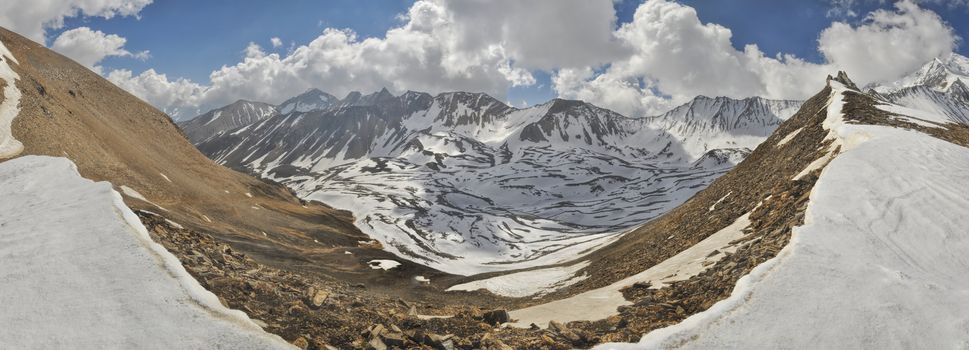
[301, 343]
[319, 298]
[496, 317]
[440, 342]
[394, 339]
[376, 344]
[489, 342]
[376, 330]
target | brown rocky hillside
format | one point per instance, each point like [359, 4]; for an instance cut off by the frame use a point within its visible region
[69, 111]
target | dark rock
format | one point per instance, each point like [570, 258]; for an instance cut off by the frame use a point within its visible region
[496, 317]
[394, 339]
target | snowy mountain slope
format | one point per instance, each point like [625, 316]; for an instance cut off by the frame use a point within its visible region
[308, 101]
[880, 259]
[938, 87]
[952, 104]
[217, 121]
[464, 183]
[939, 74]
[80, 271]
[708, 123]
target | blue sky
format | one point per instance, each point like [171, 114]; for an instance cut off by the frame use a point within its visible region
[190, 39]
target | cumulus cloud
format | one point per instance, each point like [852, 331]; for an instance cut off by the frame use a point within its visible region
[32, 18]
[485, 46]
[173, 96]
[888, 44]
[676, 57]
[663, 57]
[276, 42]
[88, 47]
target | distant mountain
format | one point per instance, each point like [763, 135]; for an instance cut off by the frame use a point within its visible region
[707, 123]
[216, 121]
[432, 176]
[939, 74]
[308, 101]
[939, 87]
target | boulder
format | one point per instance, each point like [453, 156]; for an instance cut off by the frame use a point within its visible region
[496, 317]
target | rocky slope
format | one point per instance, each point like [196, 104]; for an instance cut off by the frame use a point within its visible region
[68, 111]
[466, 184]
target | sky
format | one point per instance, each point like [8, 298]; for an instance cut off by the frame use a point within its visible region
[633, 56]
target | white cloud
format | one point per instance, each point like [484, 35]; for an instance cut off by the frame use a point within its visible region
[172, 96]
[888, 44]
[88, 47]
[664, 57]
[32, 18]
[441, 45]
[677, 57]
[276, 42]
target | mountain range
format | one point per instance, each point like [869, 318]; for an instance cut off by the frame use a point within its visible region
[430, 176]
[467, 184]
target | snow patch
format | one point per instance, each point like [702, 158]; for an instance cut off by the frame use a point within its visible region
[84, 271]
[382, 264]
[601, 303]
[527, 283]
[714, 206]
[789, 137]
[10, 107]
[130, 192]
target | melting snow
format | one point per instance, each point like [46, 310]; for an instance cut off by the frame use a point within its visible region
[130, 192]
[714, 206]
[789, 137]
[526, 283]
[79, 270]
[381, 264]
[601, 303]
[10, 106]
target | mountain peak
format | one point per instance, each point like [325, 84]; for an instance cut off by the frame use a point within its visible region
[310, 99]
[938, 74]
[843, 79]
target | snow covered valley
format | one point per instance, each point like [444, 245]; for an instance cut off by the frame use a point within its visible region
[465, 184]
